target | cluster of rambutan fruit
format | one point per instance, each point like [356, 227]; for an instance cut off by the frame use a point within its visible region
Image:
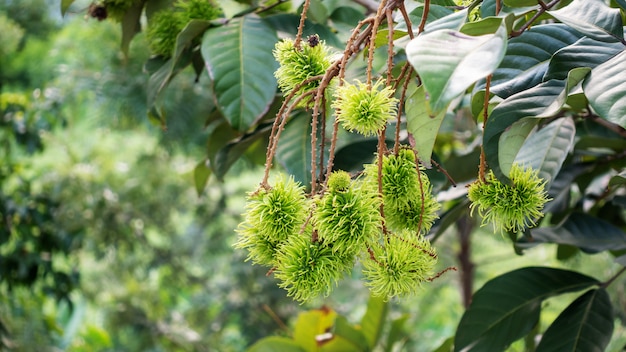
[311, 242]
[379, 217]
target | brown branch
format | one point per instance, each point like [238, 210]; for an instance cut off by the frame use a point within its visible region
[424, 16]
[541, 11]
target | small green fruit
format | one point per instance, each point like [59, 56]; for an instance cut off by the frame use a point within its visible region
[407, 196]
[308, 268]
[509, 207]
[365, 110]
[348, 217]
[296, 66]
[272, 216]
[398, 266]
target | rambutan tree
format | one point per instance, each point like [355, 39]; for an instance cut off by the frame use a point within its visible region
[383, 124]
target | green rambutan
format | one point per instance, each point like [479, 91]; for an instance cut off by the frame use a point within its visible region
[509, 207]
[308, 268]
[398, 266]
[347, 217]
[407, 195]
[296, 66]
[271, 217]
[364, 109]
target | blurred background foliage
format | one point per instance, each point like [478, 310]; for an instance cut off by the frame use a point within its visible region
[117, 252]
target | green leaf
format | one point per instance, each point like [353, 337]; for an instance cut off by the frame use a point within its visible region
[201, 174]
[446, 346]
[586, 52]
[589, 233]
[546, 149]
[506, 308]
[621, 260]
[544, 100]
[373, 321]
[131, 25]
[488, 8]
[435, 12]
[527, 58]
[605, 89]
[161, 74]
[275, 343]
[396, 332]
[449, 62]
[585, 325]
[453, 21]
[618, 180]
[240, 63]
[421, 123]
[65, 4]
[592, 18]
[346, 337]
[512, 141]
[227, 153]
[317, 11]
[310, 325]
[487, 26]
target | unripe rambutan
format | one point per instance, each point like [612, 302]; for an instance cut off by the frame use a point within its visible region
[398, 266]
[509, 207]
[365, 110]
[309, 268]
[407, 196]
[347, 217]
[271, 217]
[296, 66]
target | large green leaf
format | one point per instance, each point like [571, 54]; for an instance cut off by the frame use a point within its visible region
[508, 307]
[546, 149]
[544, 100]
[201, 174]
[586, 52]
[449, 62]
[585, 231]
[239, 59]
[421, 123]
[512, 141]
[605, 88]
[527, 58]
[275, 343]
[585, 325]
[592, 18]
[373, 321]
